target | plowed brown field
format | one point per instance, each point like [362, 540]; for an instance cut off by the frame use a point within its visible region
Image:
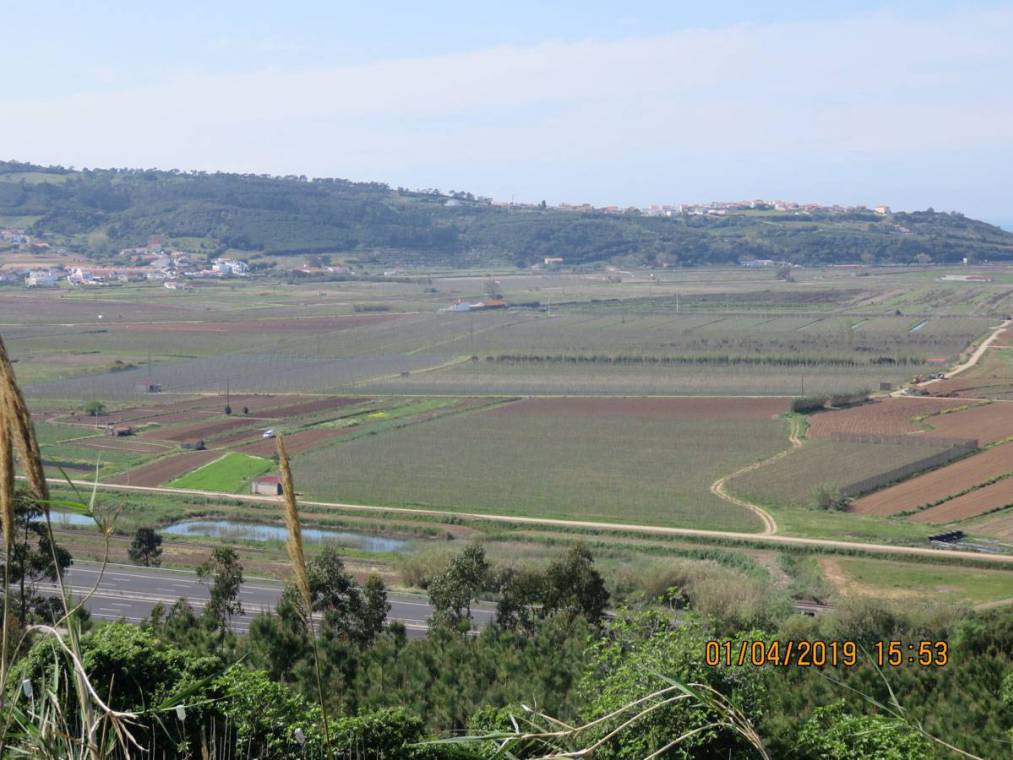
[889, 416]
[988, 423]
[309, 407]
[164, 470]
[686, 408]
[970, 504]
[295, 443]
[938, 484]
[201, 430]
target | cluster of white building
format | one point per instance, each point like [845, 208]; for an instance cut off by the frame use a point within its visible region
[722, 208]
[169, 268]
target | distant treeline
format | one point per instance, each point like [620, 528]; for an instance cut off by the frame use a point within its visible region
[709, 359]
[99, 211]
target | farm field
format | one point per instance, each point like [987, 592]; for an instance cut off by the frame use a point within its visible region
[986, 422]
[914, 581]
[733, 332]
[991, 378]
[992, 497]
[939, 484]
[163, 470]
[637, 460]
[230, 473]
[359, 374]
[793, 480]
[887, 416]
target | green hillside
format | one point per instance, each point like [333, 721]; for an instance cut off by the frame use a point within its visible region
[101, 211]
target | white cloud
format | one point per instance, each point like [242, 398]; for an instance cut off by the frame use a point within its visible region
[806, 95]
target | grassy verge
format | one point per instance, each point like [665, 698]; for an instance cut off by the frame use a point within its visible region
[901, 579]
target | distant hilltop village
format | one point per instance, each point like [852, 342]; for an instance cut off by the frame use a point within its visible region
[715, 208]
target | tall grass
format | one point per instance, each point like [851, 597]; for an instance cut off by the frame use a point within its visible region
[297, 557]
[45, 727]
[542, 737]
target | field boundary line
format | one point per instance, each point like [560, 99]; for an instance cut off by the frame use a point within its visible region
[395, 375]
[718, 487]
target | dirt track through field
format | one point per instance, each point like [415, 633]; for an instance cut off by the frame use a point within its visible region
[718, 487]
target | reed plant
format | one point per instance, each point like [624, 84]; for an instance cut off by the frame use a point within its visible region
[297, 557]
[44, 726]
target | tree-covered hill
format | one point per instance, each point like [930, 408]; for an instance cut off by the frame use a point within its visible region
[100, 211]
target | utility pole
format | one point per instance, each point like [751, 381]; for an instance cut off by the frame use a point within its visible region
[803, 386]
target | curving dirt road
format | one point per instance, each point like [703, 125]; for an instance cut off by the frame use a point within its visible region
[718, 486]
[973, 359]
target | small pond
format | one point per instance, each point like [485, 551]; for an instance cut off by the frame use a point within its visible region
[71, 518]
[243, 531]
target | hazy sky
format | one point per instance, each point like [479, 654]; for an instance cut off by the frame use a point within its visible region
[909, 104]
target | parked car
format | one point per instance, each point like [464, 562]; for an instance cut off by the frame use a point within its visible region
[268, 434]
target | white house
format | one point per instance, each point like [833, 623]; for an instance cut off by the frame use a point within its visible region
[230, 266]
[40, 279]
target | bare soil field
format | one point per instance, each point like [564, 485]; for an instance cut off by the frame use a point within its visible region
[164, 470]
[295, 443]
[970, 504]
[309, 407]
[682, 408]
[200, 430]
[938, 484]
[988, 423]
[889, 416]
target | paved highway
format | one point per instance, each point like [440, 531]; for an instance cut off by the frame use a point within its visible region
[130, 592]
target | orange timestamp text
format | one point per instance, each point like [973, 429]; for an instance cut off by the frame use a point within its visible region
[819, 653]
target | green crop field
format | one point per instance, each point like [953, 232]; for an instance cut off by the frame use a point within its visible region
[638, 469]
[792, 481]
[229, 474]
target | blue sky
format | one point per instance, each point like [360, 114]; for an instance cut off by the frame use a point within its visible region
[908, 104]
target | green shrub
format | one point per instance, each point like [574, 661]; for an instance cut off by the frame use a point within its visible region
[808, 404]
[830, 499]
